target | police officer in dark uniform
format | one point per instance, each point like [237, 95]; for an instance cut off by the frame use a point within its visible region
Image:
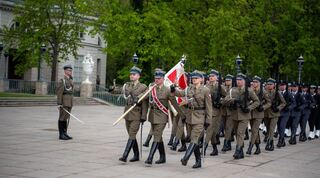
[306, 111]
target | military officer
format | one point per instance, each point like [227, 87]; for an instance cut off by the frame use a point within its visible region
[132, 90]
[273, 113]
[199, 110]
[217, 93]
[258, 114]
[226, 117]
[285, 113]
[314, 112]
[159, 115]
[243, 100]
[64, 92]
[317, 121]
[306, 111]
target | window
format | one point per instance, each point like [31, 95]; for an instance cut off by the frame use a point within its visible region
[81, 35]
[77, 71]
[99, 41]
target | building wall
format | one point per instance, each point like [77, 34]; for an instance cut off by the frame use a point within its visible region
[89, 45]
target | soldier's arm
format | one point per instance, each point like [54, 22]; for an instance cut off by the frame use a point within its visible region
[208, 104]
[223, 91]
[59, 92]
[175, 104]
[267, 99]
[255, 100]
[179, 93]
[144, 106]
[283, 102]
[293, 103]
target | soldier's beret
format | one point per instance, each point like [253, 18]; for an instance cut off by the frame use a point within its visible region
[159, 73]
[256, 78]
[213, 72]
[282, 82]
[135, 70]
[68, 66]
[229, 77]
[241, 76]
[196, 74]
[271, 81]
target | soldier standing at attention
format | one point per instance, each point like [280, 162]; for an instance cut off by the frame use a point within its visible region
[258, 114]
[243, 100]
[132, 91]
[273, 113]
[226, 117]
[217, 93]
[159, 115]
[65, 101]
[199, 110]
[305, 114]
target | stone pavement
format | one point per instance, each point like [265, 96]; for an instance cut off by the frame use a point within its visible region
[29, 147]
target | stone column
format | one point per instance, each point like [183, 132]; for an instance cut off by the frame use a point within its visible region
[3, 85]
[41, 88]
[86, 90]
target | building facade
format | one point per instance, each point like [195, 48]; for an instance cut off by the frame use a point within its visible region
[92, 45]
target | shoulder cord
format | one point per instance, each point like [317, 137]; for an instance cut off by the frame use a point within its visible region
[65, 86]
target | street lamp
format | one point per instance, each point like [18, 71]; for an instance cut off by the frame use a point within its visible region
[42, 51]
[238, 63]
[135, 59]
[300, 62]
[6, 55]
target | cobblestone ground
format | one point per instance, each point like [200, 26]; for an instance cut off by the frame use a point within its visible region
[29, 147]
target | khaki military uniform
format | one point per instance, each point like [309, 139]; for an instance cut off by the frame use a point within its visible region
[241, 119]
[271, 117]
[257, 116]
[158, 118]
[132, 91]
[226, 118]
[64, 92]
[214, 126]
[199, 109]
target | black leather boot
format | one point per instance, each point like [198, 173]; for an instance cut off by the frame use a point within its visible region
[65, 129]
[303, 136]
[153, 150]
[171, 140]
[214, 150]
[188, 153]
[293, 139]
[225, 145]
[279, 144]
[197, 154]
[183, 146]
[265, 139]
[126, 151]
[283, 142]
[249, 148]
[218, 139]
[162, 152]
[146, 143]
[258, 151]
[135, 151]
[268, 145]
[205, 148]
[62, 136]
[246, 134]
[175, 144]
[238, 154]
[271, 146]
[229, 148]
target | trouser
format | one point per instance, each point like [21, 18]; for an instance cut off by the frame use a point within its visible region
[289, 123]
[282, 123]
[157, 130]
[271, 125]
[313, 119]
[295, 121]
[196, 130]
[132, 128]
[240, 129]
[304, 119]
[175, 121]
[213, 130]
[228, 127]
[63, 115]
[180, 130]
[255, 123]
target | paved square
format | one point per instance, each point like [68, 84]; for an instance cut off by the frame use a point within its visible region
[29, 147]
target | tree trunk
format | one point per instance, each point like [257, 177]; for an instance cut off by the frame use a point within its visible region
[54, 65]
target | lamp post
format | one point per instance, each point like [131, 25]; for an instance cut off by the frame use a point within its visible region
[135, 59]
[300, 62]
[42, 50]
[238, 63]
[6, 55]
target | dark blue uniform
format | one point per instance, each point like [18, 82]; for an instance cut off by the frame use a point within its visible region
[296, 114]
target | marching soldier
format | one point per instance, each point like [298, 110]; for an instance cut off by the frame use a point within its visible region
[258, 114]
[243, 100]
[314, 112]
[217, 92]
[180, 130]
[285, 113]
[226, 117]
[273, 113]
[159, 115]
[65, 101]
[132, 90]
[199, 110]
[305, 114]
[296, 112]
[317, 121]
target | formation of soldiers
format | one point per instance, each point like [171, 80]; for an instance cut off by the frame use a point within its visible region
[229, 107]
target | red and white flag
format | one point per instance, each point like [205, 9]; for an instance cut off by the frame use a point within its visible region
[177, 76]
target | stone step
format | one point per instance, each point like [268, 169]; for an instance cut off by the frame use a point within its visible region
[16, 102]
